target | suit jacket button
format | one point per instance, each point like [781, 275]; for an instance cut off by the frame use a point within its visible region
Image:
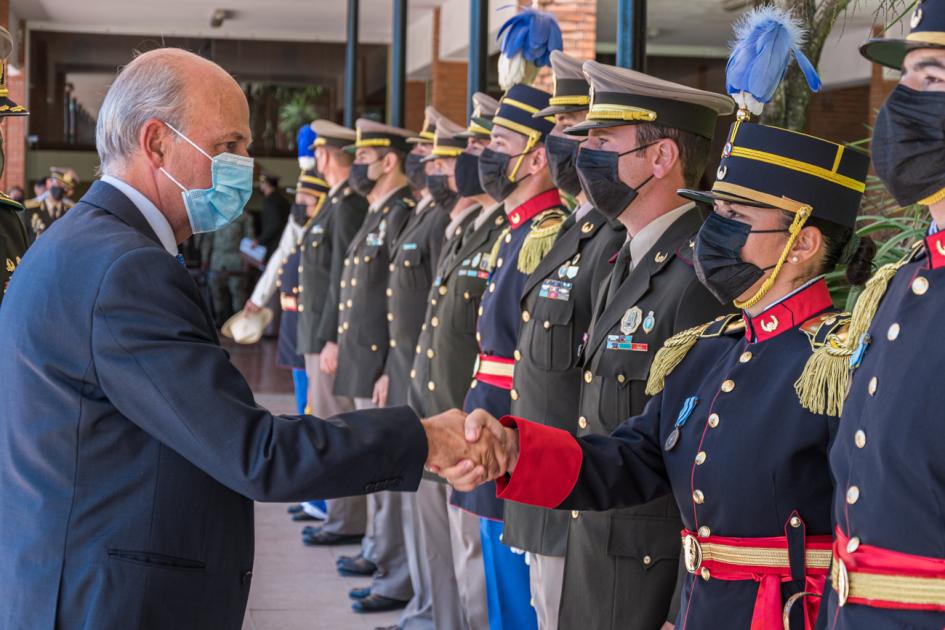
[246, 577]
[582, 422]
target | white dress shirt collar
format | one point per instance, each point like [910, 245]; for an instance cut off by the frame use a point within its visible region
[149, 211]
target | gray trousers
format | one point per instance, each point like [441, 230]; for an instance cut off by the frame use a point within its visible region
[546, 577]
[468, 567]
[436, 602]
[386, 524]
[346, 516]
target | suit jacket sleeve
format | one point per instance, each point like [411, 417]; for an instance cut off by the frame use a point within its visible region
[595, 472]
[347, 221]
[157, 361]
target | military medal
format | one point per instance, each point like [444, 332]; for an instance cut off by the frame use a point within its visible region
[684, 414]
[631, 320]
[649, 323]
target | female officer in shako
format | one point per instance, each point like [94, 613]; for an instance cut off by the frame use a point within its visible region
[726, 433]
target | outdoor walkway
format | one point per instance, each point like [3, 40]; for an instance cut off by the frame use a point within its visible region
[294, 587]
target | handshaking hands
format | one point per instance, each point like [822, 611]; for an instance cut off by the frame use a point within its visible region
[469, 450]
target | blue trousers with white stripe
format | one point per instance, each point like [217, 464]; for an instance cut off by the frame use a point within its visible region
[508, 594]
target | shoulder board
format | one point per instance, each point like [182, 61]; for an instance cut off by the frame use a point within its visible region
[32, 203]
[7, 202]
[549, 219]
[407, 201]
[819, 329]
[732, 324]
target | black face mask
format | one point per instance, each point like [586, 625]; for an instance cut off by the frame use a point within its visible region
[359, 180]
[443, 195]
[909, 144]
[415, 170]
[467, 175]
[299, 213]
[493, 174]
[718, 257]
[561, 156]
[600, 180]
[56, 193]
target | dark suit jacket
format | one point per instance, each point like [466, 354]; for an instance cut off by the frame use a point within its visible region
[275, 214]
[131, 448]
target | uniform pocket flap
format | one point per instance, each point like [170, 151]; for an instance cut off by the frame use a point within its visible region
[649, 539]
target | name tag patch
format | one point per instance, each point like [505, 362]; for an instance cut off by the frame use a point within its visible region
[555, 290]
[625, 342]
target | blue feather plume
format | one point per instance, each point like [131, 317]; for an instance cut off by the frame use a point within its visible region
[303, 140]
[532, 33]
[765, 40]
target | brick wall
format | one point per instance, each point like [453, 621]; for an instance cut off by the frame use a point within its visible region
[13, 128]
[415, 100]
[841, 114]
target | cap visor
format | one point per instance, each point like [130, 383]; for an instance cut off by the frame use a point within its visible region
[892, 52]
[709, 197]
[554, 110]
[581, 129]
[9, 108]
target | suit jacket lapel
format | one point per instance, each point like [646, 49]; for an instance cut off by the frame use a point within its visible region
[563, 250]
[107, 197]
[638, 281]
[475, 241]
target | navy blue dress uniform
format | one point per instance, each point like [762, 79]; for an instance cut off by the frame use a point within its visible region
[138, 448]
[651, 294]
[363, 334]
[888, 460]
[755, 509]
[289, 282]
[559, 297]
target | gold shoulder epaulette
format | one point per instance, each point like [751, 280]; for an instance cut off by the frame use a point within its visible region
[819, 328]
[410, 203]
[675, 350]
[9, 202]
[32, 203]
[540, 239]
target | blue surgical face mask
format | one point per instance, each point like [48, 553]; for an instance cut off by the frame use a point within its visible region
[209, 209]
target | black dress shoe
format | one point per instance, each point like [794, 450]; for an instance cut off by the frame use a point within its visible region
[377, 603]
[356, 566]
[295, 508]
[304, 516]
[327, 538]
[360, 593]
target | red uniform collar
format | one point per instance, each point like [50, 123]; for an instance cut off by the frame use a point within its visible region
[935, 244]
[788, 313]
[536, 205]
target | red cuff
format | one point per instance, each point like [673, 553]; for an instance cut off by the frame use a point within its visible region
[549, 462]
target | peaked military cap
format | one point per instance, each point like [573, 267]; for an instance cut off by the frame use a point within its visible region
[428, 132]
[447, 142]
[516, 111]
[310, 182]
[626, 97]
[7, 106]
[571, 89]
[331, 134]
[480, 122]
[372, 134]
[928, 31]
[772, 167]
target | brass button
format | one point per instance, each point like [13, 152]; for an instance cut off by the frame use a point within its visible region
[418, 349]
[508, 238]
[413, 374]
[357, 259]
[442, 290]
[795, 522]
[354, 282]
[700, 458]
[431, 386]
[582, 422]
[350, 303]
[517, 355]
[480, 311]
[423, 327]
[621, 378]
[347, 262]
[435, 321]
[588, 377]
[393, 343]
[390, 317]
[920, 285]
[859, 438]
[526, 316]
[301, 308]
[341, 307]
[728, 385]
[893, 332]
[491, 288]
[647, 560]
[697, 496]
[853, 495]
[433, 301]
[390, 267]
[478, 337]
[871, 388]
[745, 358]
[575, 514]
[373, 347]
[705, 574]
[344, 283]
[853, 544]
[514, 394]
[390, 292]
[466, 295]
[704, 531]
[430, 353]
[345, 326]
[547, 325]
[340, 330]
[498, 263]
[714, 420]
[406, 263]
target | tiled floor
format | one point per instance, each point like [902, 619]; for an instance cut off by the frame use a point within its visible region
[294, 587]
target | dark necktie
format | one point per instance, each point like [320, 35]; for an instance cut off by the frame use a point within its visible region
[619, 273]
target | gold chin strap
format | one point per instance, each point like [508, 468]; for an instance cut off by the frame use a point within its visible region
[800, 218]
[532, 141]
